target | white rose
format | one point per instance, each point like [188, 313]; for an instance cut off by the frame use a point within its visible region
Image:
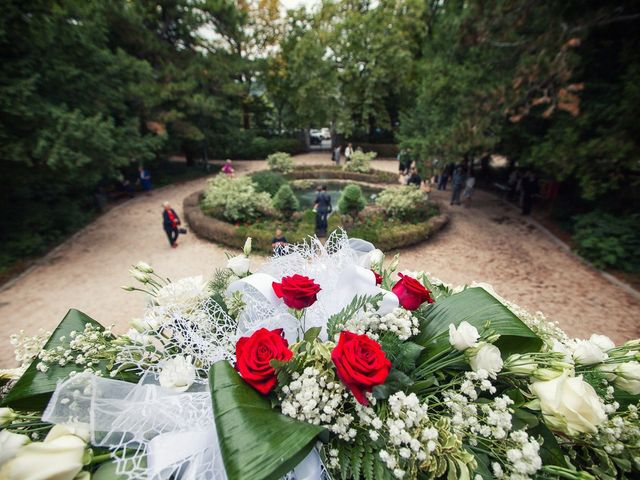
[587, 353]
[60, 457]
[247, 247]
[6, 416]
[628, 377]
[569, 404]
[486, 357]
[177, 374]
[463, 337]
[603, 342]
[239, 265]
[559, 347]
[371, 258]
[10, 444]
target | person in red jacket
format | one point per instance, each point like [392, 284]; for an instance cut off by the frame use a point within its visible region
[170, 222]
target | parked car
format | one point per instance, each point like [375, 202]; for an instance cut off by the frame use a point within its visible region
[326, 134]
[315, 137]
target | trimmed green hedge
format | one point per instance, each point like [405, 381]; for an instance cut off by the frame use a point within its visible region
[336, 173]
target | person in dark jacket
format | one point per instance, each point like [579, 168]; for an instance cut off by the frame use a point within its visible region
[456, 184]
[414, 178]
[529, 188]
[170, 222]
[447, 171]
[322, 208]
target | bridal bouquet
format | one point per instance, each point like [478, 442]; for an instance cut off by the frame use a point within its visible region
[326, 363]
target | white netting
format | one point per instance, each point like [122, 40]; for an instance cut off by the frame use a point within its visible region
[165, 435]
[200, 329]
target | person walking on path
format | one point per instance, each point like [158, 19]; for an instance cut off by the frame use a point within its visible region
[336, 155]
[170, 222]
[468, 189]
[348, 152]
[529, 188]
[323, 209]
[447, 171]
[227, 169]
[456, 185]
[145, 179]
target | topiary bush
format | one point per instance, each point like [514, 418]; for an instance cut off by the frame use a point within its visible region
[285, 200]
[268, 181]
[360, 162]
[351, 201]
[280, 162]
[402, 201]
[609, 241]
[235, 199]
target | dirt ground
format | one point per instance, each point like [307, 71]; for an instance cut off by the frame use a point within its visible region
[488, 242]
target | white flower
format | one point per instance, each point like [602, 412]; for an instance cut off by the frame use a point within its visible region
[184, 291]
[10, 443]
[463, 337]
[247, 247]
[569, 404]
[562, 348]
[60, 456]
[142, 277]
[628, 377]
[6, 416]
[11, 373]
[603, 342]
[143, 267]
[588, 353]
[239, 265]
[486, 357]
[177, 374]
[371, 259]
[137, 337]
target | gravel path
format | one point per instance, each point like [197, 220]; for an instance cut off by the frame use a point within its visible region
[488, 242]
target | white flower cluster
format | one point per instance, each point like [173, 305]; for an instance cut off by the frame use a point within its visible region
[619, 432]
[316, 398]
[399, 322]
[412, 437]
[26, 347]
[523, 456]
[86, 349]
[185, 291]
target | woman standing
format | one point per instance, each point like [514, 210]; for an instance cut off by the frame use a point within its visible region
[170, 222]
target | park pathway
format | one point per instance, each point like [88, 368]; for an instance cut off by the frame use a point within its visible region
[488, 242]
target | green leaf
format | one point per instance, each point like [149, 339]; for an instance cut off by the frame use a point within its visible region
[33, 390]
[396, 381]
[311, 334]
[335, 322]
[477, 307]
[256, 441]
[524, 420]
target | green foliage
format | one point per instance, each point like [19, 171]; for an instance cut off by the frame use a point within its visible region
[285, 200]
[267, 181]
[360, 162]
[477, 307]
[255, 440]
[337, 321]
[280, 162]
[235, 199]
[358, 460]
[609, 241]
[401, 202]
[351, 201]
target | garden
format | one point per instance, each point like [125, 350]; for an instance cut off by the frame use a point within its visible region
[231, 209]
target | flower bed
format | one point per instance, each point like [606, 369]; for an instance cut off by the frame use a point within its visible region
[392, 235]
[326, 361]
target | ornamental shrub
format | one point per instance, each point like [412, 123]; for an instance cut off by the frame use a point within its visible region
[285, 200]
[401, 202]
[351, 201]
[235, 199]
[360, 162]
[267, 181]
[280, 162]
[609, 241]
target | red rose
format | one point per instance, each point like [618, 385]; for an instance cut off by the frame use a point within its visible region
[254, 355]
[378, 277]
[411, 293]
[361, 364]
[297, 291]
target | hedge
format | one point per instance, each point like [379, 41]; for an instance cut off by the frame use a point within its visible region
[330, 173]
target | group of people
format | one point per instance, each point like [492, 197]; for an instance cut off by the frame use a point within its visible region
[336, 154]
[462, 184]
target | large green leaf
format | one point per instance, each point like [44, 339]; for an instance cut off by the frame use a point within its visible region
[33, 390]
[256, 441]
[476, 306]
